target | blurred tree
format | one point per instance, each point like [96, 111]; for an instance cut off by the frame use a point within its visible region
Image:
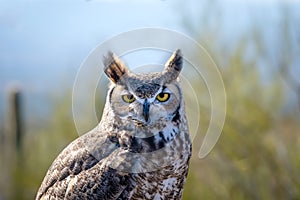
[255, 157]
[40, 149]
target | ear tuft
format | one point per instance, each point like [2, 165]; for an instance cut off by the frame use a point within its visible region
[173, 66]
[114, 67]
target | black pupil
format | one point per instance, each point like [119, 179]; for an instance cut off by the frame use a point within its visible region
[161, 95]
[130, 96]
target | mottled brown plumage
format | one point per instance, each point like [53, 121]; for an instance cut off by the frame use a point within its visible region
[139, 150]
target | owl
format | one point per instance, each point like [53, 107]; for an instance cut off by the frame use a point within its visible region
[141, 147]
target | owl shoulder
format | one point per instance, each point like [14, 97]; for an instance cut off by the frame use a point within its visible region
[80, 155]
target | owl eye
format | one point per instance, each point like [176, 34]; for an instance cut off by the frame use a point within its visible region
[162, 97]
[128, 98]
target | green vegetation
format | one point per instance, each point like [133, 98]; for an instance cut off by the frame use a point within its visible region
[256, 155]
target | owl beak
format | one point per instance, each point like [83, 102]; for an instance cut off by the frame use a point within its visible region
[146, 108]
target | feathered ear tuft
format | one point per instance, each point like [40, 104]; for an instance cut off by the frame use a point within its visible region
[173, 66]
[114, 67]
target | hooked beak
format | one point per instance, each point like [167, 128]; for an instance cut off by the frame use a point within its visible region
[146, 108]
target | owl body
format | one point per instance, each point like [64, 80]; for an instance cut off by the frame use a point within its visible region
[139, 150]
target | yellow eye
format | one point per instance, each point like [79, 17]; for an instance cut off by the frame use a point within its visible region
[162, 97]
[128, 98]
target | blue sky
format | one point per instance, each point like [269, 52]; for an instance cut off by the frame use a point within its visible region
[55, 36]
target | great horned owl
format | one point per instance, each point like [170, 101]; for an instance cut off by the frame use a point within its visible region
[139, 150]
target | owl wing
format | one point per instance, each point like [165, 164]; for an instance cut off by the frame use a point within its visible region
[81, 171]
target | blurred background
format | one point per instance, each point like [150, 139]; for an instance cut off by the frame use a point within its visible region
[255, 44]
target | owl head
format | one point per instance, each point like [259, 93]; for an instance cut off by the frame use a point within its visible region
[144, 98]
